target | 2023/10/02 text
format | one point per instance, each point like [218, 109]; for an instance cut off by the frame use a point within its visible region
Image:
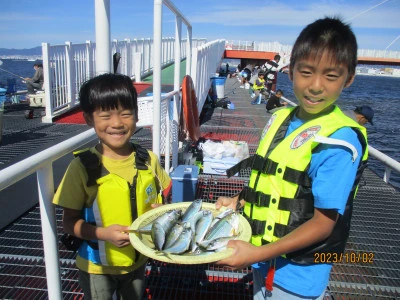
[346, 257]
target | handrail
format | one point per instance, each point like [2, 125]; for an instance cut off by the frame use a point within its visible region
[390, 163]
[30, 165]
[41, 163]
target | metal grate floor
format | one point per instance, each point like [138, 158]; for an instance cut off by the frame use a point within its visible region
[374, 234]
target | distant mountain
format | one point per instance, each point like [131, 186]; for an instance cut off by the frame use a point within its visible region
[22, 52]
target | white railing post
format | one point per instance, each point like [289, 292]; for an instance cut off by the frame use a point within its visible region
[386, 175]
[134, 49]
[128, 58]
[141, 49]
[193, 71]
[171, 57]
[157, 77]
[147, 55]
[164, 50]
[49, 231]
[89, 58]
[189, 58]
[48, 70]
[70, 76]
[176, 103]
[137, 58]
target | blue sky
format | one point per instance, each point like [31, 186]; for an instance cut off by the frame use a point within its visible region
[28, 23]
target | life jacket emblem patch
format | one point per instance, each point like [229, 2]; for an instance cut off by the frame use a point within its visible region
[304, 136]
[268, 126]
[149, 192]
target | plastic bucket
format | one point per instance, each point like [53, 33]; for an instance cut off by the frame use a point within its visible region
[218, 87]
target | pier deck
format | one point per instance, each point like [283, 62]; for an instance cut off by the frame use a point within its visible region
[371, 270]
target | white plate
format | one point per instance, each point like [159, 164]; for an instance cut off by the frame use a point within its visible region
[144, 244]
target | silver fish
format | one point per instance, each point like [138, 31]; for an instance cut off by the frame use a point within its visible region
[182, 244]
[158, 235]
[174, 234]
[192, 209]
[227, 226]
[161, 227]
[201, 228]
[147, 228]
[222, 215]
[216, 245]
[195, 218]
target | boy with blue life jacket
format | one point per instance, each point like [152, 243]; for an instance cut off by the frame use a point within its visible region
[106, 187]
[304, 174]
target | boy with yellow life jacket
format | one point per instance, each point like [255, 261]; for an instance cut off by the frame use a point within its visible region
[304, 174]
[259, 88]
[106, 187]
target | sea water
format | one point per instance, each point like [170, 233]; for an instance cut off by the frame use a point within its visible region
[382, 93]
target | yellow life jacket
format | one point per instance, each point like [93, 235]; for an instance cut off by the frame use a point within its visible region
[256, 87]
[279, 196]
[117, 202]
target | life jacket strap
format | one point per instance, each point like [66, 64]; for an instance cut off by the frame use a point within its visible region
[255, 197]
[255, 162]
[257, 226]
[298, 177]
[142, 157]
[92, 165]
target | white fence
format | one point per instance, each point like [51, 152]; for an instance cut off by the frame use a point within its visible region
[205, 63]
[67, 66]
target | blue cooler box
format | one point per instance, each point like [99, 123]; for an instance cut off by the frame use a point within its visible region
[184, 181]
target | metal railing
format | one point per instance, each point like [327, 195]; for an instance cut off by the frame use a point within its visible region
[41, 163]
[389, 163]
[206, 61]
[67, 66]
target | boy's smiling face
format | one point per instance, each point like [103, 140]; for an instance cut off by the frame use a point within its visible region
[318, 83]
[114, 129]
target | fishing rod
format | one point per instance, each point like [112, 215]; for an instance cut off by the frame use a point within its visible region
[1, 63]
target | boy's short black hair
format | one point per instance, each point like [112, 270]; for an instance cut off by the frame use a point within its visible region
[328, 34]
[106, 91]
[279, 91]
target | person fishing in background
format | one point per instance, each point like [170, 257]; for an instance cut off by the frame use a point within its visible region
[270, 69]
[361, 114]
[36, 82]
